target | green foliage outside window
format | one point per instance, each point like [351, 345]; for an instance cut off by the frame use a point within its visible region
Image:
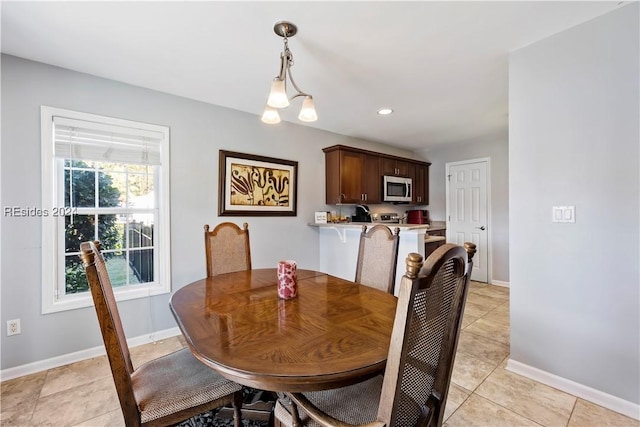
[80, 191]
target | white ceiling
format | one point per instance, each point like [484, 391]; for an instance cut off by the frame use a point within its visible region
[442, 66]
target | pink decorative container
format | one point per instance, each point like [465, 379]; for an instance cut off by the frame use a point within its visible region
[287, 279]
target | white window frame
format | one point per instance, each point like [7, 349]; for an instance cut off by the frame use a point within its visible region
[53, 226]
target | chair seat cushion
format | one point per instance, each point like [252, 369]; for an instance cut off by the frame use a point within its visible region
[176, 382]
[355, 404]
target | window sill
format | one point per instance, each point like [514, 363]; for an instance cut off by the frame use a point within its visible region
[72, 302]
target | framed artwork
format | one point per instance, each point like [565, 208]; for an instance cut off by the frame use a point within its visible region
[252, 185]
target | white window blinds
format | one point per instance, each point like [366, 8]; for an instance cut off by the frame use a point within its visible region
[80, 139]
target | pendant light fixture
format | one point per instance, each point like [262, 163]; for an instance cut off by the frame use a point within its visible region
[278, 97]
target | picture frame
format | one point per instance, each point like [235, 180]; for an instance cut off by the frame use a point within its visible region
[251, 185]
[320, 217]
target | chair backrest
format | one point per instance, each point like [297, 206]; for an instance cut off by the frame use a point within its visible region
[227, 248]
[425, 337]
[377, 257]
[115, 341]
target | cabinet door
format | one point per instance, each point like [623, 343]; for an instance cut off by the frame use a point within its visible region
[429, 248]
[418, 173]
[371, 179]
[332, 177]
[412, 174]
[387, 166]
[395, 167]
[351, 172]
[419, 185]
[402, 167]
[425, 182]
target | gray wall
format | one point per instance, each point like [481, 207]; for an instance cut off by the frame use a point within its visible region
[198, 131]
[573, 140]
[496, 148]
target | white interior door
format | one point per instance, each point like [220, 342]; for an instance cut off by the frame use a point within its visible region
[467, 210]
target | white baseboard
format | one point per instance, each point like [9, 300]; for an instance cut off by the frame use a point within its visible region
[598, 397]
[500, 283]
[65, 359]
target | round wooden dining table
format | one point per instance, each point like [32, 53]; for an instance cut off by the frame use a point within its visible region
[334, 333]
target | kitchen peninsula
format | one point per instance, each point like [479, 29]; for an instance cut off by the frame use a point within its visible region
[339, 243]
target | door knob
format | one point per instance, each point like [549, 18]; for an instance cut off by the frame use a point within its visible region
[481, 228]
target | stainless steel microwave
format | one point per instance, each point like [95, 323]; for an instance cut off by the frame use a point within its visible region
[396, 189]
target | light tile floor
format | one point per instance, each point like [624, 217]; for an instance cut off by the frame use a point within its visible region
[482, 393]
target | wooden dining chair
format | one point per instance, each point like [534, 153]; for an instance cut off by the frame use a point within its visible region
[377, 257]
[227, 248]
[415, 385]
[163, 391]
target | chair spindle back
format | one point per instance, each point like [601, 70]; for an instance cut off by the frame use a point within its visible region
[115, 341]
[425, 337]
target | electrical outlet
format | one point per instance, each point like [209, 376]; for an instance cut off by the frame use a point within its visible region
[13, 327]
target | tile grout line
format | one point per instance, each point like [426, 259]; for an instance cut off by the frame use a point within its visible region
[510, 410]
[497, 403]
[573, 408]
[473, 392]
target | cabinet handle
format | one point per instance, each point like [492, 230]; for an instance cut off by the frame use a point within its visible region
[365, 197]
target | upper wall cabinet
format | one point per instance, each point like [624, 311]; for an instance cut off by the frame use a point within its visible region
[392, 166]
[354, 175]
[420, 184]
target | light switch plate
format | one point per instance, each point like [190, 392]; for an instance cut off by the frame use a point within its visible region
[563, 214]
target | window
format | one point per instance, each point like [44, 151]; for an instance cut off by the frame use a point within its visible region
[103, 179]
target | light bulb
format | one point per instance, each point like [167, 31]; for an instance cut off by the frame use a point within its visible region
[270, 115]
[308, 110]
[278, 95]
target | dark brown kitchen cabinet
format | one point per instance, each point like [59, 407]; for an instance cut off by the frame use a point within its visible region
[419, 174]
[431, 244]
[421, 184]
[372, 180]
[392, 166]
[352, 176]
[411, 173]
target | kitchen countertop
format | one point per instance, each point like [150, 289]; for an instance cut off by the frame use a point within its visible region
[339, 245]
[437, 227]
[371, 224]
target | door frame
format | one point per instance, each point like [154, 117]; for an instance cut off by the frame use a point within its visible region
[486, 160]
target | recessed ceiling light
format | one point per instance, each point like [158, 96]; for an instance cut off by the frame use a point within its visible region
[385, 111]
